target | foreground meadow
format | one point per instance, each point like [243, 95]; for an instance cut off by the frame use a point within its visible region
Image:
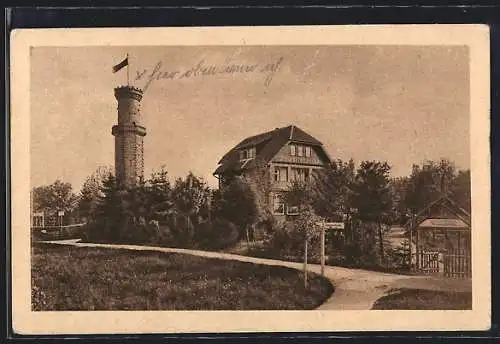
[72, 278]
[406, 299]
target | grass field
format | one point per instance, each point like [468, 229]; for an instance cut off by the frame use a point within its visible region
[425, 300]
[72, 278]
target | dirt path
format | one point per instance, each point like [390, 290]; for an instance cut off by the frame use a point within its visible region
[355, 289]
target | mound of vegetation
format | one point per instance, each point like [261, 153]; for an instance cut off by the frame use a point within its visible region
[78, 278]
[405, 299]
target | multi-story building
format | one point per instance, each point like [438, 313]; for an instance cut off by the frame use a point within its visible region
[286, 154]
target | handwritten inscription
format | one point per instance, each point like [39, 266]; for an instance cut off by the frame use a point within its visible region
[204, 70]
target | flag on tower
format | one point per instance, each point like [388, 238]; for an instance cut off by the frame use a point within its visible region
[120, 65]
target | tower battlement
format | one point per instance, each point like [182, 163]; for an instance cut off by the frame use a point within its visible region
[128, 92]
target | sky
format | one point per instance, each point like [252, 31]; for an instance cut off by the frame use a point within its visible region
[400, 104]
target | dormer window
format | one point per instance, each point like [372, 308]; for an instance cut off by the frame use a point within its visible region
[308, 151]
[300, 150]
[248, 153]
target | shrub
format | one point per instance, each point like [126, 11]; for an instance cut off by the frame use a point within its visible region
[397, 258]
[238, 204]
[97, 232]
[353, 253]
[219, 235]
[287, 241]
[139, 233]
[182, 231]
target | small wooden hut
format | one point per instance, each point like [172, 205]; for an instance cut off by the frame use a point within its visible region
[440, 240]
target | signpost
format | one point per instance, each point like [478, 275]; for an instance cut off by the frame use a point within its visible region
[305, 263]
[324, 226]
[60, 215]
[322, 250]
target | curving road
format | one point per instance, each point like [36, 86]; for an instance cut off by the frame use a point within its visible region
[355, 289]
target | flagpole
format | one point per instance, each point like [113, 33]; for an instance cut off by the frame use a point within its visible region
[128, 64]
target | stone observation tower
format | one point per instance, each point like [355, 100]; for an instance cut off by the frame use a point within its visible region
[129, 136]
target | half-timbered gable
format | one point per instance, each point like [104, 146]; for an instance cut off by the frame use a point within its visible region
[286, 154]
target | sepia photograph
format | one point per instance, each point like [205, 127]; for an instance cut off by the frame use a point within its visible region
[245, 174]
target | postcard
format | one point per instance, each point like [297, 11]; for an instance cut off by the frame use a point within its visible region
[250, 179]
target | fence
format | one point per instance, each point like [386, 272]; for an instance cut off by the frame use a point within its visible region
[450, 263]
[429, 262]
[58, 232]
[457, 263]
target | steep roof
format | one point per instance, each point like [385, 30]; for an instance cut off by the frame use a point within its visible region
[445, 201]
[271, 142]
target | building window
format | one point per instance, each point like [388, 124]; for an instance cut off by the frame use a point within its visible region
[280, 174]
[292, 210]
[248, 153]
[300, 150]
[38, 221]
[308, 151]
[292, 150]
[243, 154]
[283, 174]
[300, 174]
[278, 205]
[251, 152]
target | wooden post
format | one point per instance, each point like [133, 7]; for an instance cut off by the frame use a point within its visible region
[305, 262]
[322, 250]
[410, 245]
[209, 206]
[417, 260]
[461, 258]
[128, 73]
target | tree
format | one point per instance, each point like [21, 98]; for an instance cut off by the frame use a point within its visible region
[399, 188]
[460, 189]
[332, 187]
[427, 183]
[111, 215]
[159, 192]
[372, 196]
[189, 198]
[124, 214]
[237, 203]
[56, 197]
[90, 191]
[299, 194]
